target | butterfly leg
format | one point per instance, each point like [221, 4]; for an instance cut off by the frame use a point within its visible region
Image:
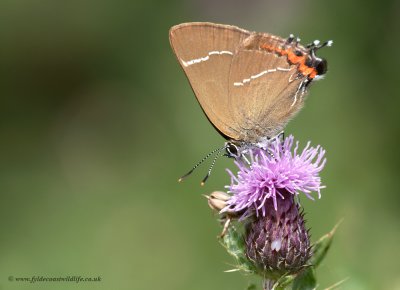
[281, 136]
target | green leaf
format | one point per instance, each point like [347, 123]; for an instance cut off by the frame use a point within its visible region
[321, 247]
[305, 280]
[235, 245]
[251, 287]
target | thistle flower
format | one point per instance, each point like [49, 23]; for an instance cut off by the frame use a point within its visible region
[263, 194]
[272, 173]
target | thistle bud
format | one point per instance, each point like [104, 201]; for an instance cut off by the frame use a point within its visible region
[278, 243]
[217, 200]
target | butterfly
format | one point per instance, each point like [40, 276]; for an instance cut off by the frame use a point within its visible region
[248, 84]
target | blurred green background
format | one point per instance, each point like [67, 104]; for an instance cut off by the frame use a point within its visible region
[98, 122]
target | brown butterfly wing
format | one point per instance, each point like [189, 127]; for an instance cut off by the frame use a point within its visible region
[264, 89]
[205, 52]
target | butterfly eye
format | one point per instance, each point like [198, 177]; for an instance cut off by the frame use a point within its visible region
[232, 151]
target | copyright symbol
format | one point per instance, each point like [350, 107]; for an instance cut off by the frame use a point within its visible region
[10, 278]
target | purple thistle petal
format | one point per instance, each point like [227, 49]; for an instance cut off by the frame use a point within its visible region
[273, 171]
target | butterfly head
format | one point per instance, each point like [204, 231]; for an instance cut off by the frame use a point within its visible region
[232, 150]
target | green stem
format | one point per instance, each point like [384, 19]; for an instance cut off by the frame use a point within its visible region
[268, 284]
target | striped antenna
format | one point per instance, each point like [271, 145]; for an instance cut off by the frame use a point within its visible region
[211, 167]
[200, 162]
